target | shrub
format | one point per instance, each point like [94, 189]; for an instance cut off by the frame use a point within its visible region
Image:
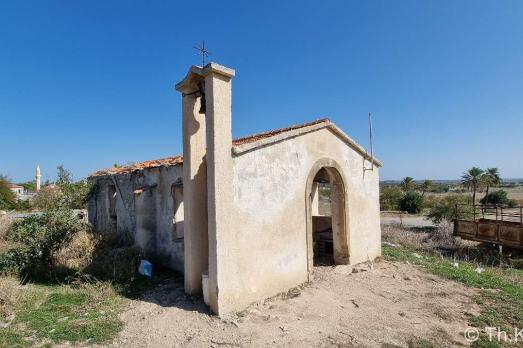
[38, 237]
[445, 208]
[65, 194]
[390, 197]
[7, 197]
[497, 198]
[411, 202]
[115, 259]
[429, 201]
[109, 256]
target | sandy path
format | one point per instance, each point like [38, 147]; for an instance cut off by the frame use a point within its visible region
[391, 304]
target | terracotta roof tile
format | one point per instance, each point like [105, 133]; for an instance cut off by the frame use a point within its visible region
[162, 162]
[178, 160]
[259, 136]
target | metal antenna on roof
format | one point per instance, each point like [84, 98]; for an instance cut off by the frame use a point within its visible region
[203, 51]
[371, 149]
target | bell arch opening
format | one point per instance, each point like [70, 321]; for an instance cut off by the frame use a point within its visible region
[327, 235]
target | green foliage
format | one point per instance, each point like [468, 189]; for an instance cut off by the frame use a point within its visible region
[46, 315]
[66, 194]
[10, 337]
[426, 186]
[411, 202]
[407, 184]
[390, 197]
[439, 188]
[115, 259]
[29, 185]
[444, 209]
[472, 179]
[7, 197]
[72, 314]
[491, 177]
[496, 198]
[38, 238]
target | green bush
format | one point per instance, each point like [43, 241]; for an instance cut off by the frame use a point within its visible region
[7, 197]
[445, 208]
[390, 197]
[411, 202]
[38, 237]
[65, 194]
[115, 259]
[497, 198]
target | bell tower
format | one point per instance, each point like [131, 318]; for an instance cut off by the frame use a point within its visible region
[208, 172]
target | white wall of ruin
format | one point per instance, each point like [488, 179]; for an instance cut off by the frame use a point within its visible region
[267, 241]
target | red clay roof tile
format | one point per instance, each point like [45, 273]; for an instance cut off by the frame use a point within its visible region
[178, 160]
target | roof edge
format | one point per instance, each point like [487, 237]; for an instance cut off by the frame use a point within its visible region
[239, 150]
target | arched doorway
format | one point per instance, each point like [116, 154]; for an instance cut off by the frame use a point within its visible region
[327, 236]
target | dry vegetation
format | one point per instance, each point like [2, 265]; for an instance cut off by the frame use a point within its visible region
[5, 222]
[496, 278]
[76, 298]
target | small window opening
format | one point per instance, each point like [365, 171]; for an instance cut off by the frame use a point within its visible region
[177, 196]
[111, 196]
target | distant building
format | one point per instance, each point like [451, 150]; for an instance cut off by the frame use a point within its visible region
[21, 193]
[16, 189]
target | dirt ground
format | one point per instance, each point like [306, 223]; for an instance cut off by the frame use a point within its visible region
[392, 305]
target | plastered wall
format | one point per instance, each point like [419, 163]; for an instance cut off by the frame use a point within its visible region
[267, 242]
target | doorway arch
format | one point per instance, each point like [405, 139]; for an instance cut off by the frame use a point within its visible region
[326, 171]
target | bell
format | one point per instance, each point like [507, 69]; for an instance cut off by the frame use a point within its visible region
[202, 98]
[202, 104]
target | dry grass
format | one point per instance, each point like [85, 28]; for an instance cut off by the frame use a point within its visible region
[5, 222]
[439, 241]
[78, 254]
[9, 293]
[397, 235]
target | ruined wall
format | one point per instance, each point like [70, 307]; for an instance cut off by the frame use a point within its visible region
[146, 215]
[267, 244]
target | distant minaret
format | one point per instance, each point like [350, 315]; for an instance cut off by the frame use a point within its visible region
[38, 177]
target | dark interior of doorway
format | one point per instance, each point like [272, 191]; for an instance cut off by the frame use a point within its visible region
[323, 246]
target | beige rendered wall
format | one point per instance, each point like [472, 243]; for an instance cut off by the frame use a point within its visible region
[266, 243]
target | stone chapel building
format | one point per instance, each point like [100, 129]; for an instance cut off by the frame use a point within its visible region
[248, 215]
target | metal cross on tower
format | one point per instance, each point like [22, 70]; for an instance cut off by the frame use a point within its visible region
[203, 51]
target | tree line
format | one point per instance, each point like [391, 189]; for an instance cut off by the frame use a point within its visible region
[410, 196]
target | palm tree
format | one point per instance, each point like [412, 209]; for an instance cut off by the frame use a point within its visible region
[491, 178]
[425, 186]
[471, 179]
[407, 184]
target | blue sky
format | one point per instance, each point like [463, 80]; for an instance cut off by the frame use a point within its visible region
[88, 84]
